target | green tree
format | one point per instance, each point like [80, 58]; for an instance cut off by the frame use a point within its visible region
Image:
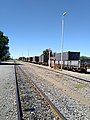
[84, 58]
[46, 53]
[4, 48]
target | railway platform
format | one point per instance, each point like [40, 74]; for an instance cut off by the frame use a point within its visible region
[8, 106]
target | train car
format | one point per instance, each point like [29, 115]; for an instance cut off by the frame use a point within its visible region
[71, 64]
[43, 60]
[24, 59]
[30, 59]
[70, 61]
[27, 59]
[68, 56]
[58, 58]
[83, 66]
[35, 59]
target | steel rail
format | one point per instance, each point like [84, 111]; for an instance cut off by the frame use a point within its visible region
[60, 72]
[52, 106]
[19, 110]
[85, 80]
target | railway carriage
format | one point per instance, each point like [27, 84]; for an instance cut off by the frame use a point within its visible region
[71, 61]
[35, 59]
[43, 60]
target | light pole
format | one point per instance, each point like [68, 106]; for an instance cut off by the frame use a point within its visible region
[49, 57]
[62, 37]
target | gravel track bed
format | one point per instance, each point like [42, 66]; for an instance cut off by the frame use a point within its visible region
[76, 74]
[75, 85]
[30, 99]
[8, 107]
[72, 109]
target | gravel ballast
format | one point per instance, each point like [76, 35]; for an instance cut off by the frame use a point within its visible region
[71, 96]
[33, 105]
[8, 107]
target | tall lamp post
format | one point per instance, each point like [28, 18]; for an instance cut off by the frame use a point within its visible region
[49, 57]
[62, 37]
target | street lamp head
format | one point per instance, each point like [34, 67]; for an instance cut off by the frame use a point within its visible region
[64, 13]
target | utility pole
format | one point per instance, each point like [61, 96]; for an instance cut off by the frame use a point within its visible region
[49, 56]
[62, 36]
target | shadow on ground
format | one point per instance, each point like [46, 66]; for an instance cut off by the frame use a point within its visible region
[87, 73]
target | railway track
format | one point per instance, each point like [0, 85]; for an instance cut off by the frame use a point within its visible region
[82, 79]
[85, 80]
[18, 97]
[27, 96]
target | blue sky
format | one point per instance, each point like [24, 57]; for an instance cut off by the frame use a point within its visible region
[34, 25]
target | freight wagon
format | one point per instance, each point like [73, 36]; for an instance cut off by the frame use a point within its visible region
[43, 60]
[67, 56]
[30, 59]
[35, 59]
[86, 61]
[70, 61]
